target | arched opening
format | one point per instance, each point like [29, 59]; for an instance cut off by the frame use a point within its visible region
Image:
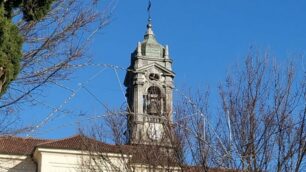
[154, 101]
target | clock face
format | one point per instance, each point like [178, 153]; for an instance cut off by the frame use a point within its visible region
[155, 131]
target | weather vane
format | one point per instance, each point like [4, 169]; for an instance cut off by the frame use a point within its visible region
[149, 10]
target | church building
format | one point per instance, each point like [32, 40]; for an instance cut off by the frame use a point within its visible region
[151, 143]
[149, 83]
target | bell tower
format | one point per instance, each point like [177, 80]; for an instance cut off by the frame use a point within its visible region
[149, 83]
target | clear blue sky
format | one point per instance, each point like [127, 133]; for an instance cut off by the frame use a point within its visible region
[205, 37]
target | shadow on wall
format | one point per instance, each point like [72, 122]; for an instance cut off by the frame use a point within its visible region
[27, 165]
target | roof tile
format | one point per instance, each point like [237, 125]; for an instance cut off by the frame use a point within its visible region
[18, 145]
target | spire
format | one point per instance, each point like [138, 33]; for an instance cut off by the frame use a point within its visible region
[149, 25]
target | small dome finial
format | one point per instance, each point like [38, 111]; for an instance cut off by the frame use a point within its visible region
[149, 27]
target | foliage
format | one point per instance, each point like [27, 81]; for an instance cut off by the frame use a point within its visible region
[53, 47]
[35, 9]
[10, 50]
[10, 38]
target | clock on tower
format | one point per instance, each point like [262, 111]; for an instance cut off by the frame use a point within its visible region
[149, 83]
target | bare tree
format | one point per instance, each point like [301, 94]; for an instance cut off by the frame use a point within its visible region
[265, 106]
[119, 154]
[191, 117]
[259, 126]
[54, 46]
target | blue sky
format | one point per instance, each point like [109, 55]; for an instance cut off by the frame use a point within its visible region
[205, 37]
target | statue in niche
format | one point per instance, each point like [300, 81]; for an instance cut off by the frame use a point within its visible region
[153, 101]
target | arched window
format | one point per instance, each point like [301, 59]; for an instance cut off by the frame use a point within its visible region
[154, 104]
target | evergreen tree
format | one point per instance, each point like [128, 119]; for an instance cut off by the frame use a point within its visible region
[10, 38]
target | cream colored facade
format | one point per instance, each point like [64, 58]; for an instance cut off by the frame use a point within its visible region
[58, 160]
[16, 163]
[51, 160]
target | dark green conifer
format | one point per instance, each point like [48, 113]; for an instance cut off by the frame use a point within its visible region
[10, 38]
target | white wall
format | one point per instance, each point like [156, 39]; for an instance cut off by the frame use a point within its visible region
[16, 163]
[56, 160]
[50, 160]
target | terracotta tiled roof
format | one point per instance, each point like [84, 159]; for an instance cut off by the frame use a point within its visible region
[140, 154]
[17, 145]
[80, 142]
[152, 155]
[145, 155]
[26, 146]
